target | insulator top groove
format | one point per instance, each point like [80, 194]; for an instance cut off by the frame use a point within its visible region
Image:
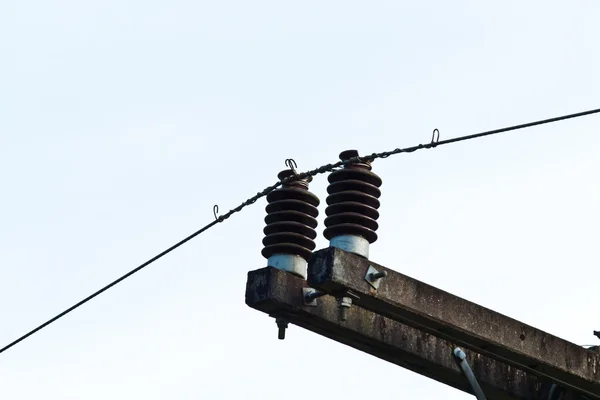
[350, 229]
[353, 195]
[293, 205]
[364, 175]
[292, 216]
[286, 248]
[352, 218]
[292, 193]
[348, 154]
[289, 237]
[354, 184]
[352, 206]
[289, 226]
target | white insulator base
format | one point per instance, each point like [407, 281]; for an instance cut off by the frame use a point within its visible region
[289, 263]
[352, 244]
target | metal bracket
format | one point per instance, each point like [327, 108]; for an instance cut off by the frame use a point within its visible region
[373, 277]
[461, 357]
[310, 296]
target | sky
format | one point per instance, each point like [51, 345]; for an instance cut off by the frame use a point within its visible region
[123, 122]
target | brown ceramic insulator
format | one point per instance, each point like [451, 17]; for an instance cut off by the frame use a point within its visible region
[353, 200]
[291, 219]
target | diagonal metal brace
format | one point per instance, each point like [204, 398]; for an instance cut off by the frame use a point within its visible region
[461, 357]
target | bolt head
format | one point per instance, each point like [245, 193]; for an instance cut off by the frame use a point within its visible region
[345, 302]
[282, 323]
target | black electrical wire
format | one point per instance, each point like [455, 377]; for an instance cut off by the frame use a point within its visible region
[322, 169]
[113, 283]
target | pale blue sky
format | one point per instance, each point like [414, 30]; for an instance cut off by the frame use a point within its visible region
[123, 122]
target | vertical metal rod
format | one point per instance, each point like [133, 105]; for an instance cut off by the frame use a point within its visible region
[282, 324]
[466, 369]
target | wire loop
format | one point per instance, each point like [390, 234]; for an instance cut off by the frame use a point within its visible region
[216, 212]
[291, 164]
[434, 139]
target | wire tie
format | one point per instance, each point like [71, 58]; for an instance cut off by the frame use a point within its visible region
[434, 140]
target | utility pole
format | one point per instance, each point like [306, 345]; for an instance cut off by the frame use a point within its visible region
[339, 293]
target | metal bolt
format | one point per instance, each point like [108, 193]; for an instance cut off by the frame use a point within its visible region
[310, 296]
[458, 353]
[344, 304]
[282, 324]
[314, 294]
[377, 275]
[374, 277]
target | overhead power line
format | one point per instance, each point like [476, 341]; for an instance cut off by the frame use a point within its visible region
[322, 169]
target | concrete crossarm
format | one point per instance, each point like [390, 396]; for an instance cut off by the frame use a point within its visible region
[415, 303]
[279, 294]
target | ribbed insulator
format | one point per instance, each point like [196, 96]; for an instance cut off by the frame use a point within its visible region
[290, 219]
[353, 200]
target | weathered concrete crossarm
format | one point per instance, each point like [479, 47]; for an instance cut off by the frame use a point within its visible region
[463, 322]
[279, 294]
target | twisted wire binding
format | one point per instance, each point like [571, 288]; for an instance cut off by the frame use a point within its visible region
[320, 170]
[385, 154]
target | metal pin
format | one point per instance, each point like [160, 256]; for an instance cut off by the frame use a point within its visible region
[373, 277]
[344, 303]
[310, 296]
[313, 294]
[282, 324]
[377, 275]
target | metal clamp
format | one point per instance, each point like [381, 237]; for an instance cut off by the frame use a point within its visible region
[373, 277]
[461, 357]
[310, 296]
